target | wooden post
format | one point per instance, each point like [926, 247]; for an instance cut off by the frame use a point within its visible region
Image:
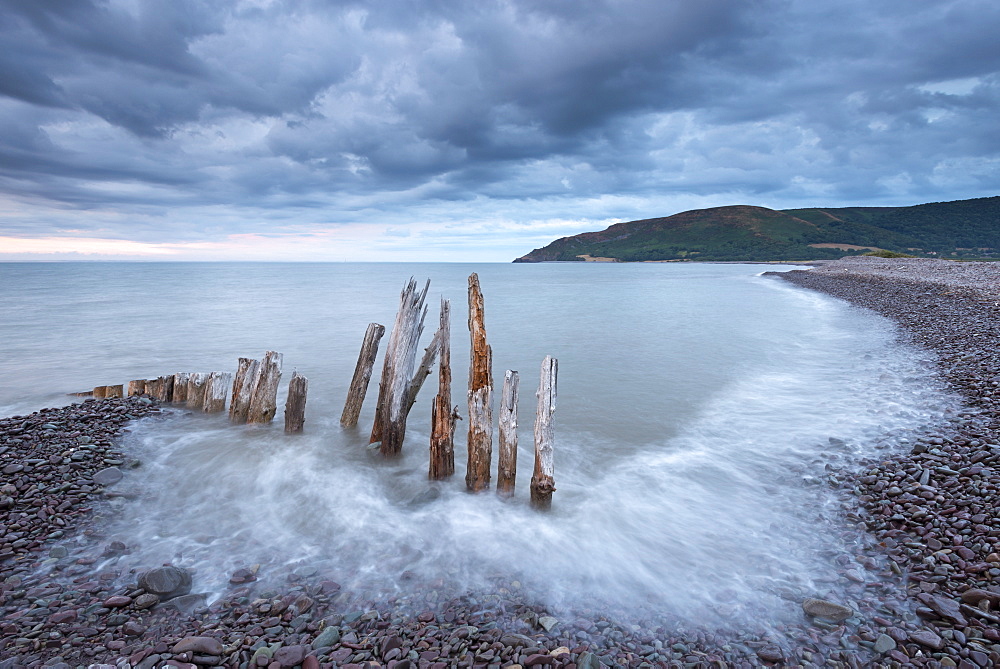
[100, 392]
[153, 387]
[295, 405]
[362, 375]
[181, 380]
[264, 400]
[216, 390]
[136, 387]
[507, 467]
[443, 416]
[397, 371]
[196, 390]
[243, 385]
[165, 388]
[542, 481]
[423, 371]
[114, 391]
[480, 442]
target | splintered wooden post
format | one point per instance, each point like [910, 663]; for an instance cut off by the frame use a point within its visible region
[264, 400]
[295, 405]
[153, 387]
[423, 371]
[507, 467]
[542, 481]
[394, 398]
[114, 391]
[181, 380]
[243, 385]
[362, 375]
[443, 416]
[197, 385]
[136, 387]
[480, 442]
[216, 391]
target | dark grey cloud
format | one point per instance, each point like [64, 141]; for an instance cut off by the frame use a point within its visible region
[244, 114]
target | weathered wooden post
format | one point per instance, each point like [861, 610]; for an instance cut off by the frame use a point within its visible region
[362, 375]
[197, 385]
[295, 405]
[480, 442]
[153, 387]
[542, 481]
[164, 388]
[114, 391]
[400, 358]
[264, 400]
[423, 371]
[443, 416]
[181, 380]
[100, 392]
[243, 385]
[136, 387]
[216, 390]
[507, 467]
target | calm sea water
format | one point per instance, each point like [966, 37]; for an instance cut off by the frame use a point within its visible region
[698, 405]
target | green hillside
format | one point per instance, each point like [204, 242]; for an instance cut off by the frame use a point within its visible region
[961, 229]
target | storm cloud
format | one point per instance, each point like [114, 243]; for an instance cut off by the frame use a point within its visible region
[453, 130]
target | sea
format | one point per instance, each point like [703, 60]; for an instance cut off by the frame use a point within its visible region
[703, 412]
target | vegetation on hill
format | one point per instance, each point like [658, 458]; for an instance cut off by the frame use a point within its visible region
[961, 229]
[882, 253]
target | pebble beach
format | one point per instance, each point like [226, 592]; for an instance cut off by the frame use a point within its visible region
[921, 586]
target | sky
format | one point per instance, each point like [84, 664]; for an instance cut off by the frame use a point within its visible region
[450, 130]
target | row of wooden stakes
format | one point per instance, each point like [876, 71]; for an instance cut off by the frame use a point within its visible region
[400, 384]
[255, 387]
[254, 391]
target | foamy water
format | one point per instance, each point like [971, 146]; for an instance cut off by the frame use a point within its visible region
[699, 406]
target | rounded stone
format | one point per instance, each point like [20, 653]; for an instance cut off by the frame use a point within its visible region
[108, 476]
[199, 645]
[820, 608]
[167, 582]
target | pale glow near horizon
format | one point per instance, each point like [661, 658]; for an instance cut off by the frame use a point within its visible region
[237, 247]
[488, 240]
[80, 246]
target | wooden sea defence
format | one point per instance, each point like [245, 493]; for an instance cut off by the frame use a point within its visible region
[295, 404]
[362, 375]
[216, 391]
[243, 384]
[253, 389]
[480, 440]
[196, 390]
[543, 482]
[161, 388]
[181, 381]
[394, 400]
[264, 398]
[443, 416]
[507, 466]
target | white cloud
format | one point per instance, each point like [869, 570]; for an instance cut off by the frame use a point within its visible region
[202, 128]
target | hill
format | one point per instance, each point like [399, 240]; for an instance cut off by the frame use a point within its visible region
[960, 229]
